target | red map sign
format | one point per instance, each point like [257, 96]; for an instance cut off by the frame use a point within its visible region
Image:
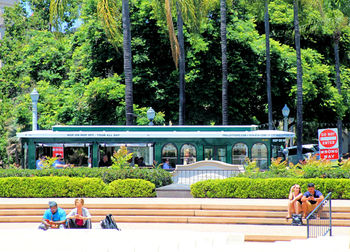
[328, 144]
[57, 150]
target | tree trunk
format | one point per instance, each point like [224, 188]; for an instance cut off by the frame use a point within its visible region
[336, 38]
[127, 64]
[268, 64]
[224, 61]
[299, 84]
[181, 66]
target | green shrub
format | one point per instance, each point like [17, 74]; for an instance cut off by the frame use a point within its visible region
[42, 187]
[311, 168]
[273, 188]
[58, 187]
[120, 159]
[128, 188]
[159, 177]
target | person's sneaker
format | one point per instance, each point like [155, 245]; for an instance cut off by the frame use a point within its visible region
[43, 227]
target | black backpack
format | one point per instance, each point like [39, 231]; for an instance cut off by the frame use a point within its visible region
[109, 223]
[296, 220]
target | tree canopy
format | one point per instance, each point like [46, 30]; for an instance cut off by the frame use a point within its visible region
[78, 71]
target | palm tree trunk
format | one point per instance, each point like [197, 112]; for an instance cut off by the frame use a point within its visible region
[224, 61]
[336, 38]
[127, 64]
[180, 36]
[268, 64]
[299, 84]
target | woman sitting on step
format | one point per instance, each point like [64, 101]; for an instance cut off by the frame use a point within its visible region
[294, 204]
[79, 217]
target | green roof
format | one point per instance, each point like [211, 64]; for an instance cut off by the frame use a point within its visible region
[155, 128]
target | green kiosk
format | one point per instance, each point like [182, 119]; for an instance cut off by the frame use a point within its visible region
[153, 145]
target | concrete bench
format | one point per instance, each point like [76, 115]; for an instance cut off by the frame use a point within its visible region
[204, 170]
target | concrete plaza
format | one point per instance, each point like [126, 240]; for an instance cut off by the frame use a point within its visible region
[163, 236]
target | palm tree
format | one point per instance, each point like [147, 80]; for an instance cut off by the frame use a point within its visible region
[335, 16]
[299, 127]
[258, 7]
[336, 39]
[189, 12]
[338, 10]
[127, 64]
[182, 69]
[268, 64]
[109, 12]
[223, 11]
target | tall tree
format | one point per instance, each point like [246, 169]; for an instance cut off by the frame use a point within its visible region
[258, 7]
[223, 10]
[334, 18]
[109, 13]
[189, 12]
[299, 128]
[182, 68]
[268, 64]
[127, 64]
[338, 18]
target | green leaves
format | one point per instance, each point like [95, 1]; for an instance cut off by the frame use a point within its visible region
[79, 74]
[131, 188]
[269, 188]
[159, 177]
[58, 187]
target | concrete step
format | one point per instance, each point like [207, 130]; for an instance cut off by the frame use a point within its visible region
[169, 211]
[176, 219]
[174, 191]
[103, 212]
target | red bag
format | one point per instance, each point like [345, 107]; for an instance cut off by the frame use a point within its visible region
[79, 222]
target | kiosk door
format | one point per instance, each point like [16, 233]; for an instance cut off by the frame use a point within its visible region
[215, 152]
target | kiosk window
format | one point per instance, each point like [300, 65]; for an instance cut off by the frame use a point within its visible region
[188, 154]
[259, 154]
[239, 153]
[169, 151]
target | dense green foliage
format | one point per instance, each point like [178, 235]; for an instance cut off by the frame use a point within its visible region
[131, 188]
[79, 71]
[42, 187]
[59, 187]
[269, 188]
[159, 177]
[309, 169]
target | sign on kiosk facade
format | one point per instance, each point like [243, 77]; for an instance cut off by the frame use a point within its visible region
[57, 150]
[328, 144]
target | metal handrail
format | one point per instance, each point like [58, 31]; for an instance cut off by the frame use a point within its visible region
[323, 202]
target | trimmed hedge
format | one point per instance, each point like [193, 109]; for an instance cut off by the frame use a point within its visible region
[159, 177]
[130, 188]
[57, 187]
[270, 188]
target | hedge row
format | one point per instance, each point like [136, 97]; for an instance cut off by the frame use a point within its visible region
[270, 188]
[159, 177]
[47, 187]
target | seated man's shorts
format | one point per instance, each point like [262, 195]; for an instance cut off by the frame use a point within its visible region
[310, 207]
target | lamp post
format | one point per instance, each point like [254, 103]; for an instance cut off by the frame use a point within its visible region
[150, 116]
[285, 113]
[35, 97]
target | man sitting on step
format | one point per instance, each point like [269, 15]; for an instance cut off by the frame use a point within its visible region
[311, 199]
[54, 217]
